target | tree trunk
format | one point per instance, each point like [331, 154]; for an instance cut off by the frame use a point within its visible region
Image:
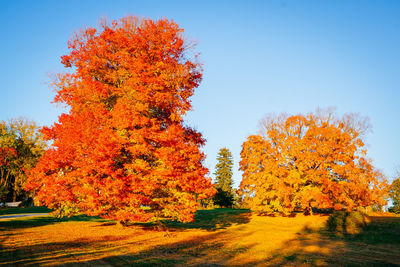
[308, 210]
[15, 190]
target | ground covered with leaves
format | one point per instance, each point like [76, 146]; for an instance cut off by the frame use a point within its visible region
[220, 237]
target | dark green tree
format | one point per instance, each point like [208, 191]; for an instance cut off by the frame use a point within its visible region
[224, 198]
[223, 175]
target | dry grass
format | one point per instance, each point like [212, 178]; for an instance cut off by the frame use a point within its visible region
[218, 238]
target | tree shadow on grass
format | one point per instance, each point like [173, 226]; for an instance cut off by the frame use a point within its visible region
[210, 220]
[56, 252]
[381, 230]
[206, 250]
[44, 220]
[11, 210]
[198, 251]
[7, 227]
[170, 254]
[377, 244]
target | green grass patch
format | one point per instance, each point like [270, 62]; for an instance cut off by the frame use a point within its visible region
[27, 222]
[9, 211]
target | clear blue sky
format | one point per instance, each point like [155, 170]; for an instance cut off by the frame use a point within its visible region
[259, 57]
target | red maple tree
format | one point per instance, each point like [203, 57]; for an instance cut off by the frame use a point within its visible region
[122, 152]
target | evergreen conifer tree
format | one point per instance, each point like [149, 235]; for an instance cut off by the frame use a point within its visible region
[223, 174]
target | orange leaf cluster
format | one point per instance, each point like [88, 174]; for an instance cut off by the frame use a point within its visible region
[122, 152]
[304, 161]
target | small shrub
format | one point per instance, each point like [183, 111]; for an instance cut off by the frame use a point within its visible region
[347, 222]
[355, 221]
[66, 210]
[395, 209]
[207, 204]
[336, 220]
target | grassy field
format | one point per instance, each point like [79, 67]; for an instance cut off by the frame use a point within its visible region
[7, 211]
[219, 237]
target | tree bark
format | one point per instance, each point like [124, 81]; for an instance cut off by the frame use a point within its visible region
[15, 190]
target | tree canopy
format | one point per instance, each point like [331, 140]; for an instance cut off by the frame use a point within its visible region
[223, 170]
[394, 193]
[314, 160]
[122, 151]
[21, 146]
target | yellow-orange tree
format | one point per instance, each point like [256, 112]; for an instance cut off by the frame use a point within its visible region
[304, 161]
[122, 151]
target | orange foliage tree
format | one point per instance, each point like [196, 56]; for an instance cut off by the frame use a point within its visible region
[304, 161]
[122, 152]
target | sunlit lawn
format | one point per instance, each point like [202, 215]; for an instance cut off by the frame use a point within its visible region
[218, 237]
